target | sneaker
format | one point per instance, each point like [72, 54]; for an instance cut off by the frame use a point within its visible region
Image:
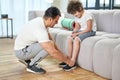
[35, 69]
[25, 62]
[61, 65]
[68, 68]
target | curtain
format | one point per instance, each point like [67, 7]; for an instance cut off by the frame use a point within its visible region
[18, 11]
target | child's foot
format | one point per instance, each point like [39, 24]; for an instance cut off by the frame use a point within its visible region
[61, 65]
[68, 68]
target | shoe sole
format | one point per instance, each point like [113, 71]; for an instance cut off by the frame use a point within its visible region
[61, 66]
[29, 70]
[23, 62]
[70, 69]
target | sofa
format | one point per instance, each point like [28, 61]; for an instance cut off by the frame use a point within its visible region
[100, 53]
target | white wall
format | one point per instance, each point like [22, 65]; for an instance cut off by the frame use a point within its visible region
[18, 10]
[61, 4]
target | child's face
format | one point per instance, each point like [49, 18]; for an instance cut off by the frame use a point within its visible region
[78, 14]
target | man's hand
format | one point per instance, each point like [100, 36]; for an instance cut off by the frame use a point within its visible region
[70, 62]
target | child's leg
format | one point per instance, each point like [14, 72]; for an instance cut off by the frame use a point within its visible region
[76, 49]
[70, 46]
[69, 49]
[75, 46]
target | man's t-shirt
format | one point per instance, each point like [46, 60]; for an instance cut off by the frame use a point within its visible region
[33, 31]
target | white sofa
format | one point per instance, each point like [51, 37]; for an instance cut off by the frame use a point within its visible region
[100, 53]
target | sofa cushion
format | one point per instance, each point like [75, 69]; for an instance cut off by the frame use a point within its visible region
[103, 56]
[99, 33]
[104, 22]
[112, 35]
[116, 63]
[85, 57]
[116, 22]
[34, 14]
[54, 32]
[61, 39]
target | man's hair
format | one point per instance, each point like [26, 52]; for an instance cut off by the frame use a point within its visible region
[52, 12]
[73, 6]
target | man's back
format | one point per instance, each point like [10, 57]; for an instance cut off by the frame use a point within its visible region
[33, 31]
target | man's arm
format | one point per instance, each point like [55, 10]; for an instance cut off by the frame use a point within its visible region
[50, 48]
[50, 37]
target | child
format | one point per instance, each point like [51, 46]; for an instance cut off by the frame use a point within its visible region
[85, 26]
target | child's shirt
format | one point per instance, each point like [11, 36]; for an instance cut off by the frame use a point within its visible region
[83, 21]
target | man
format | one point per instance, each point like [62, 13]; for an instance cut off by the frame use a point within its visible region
[34, 42]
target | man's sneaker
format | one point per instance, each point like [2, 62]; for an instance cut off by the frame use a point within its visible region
[25, 62]
[61, 65]
[35, 69]
[68, 68]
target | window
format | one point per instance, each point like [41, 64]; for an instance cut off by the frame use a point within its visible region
[91, 3]
[116, 4]
[84, 3]
[19, 12]
[104, 4]
[88, 4]
[101, 4]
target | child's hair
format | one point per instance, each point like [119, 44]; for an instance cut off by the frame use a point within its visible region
[73, 6]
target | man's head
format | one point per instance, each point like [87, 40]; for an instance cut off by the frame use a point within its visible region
[51, 16]
[75, 8]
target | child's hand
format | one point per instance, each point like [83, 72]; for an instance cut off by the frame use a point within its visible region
[73, 32]
[73, 35]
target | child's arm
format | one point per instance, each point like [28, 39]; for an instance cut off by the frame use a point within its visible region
[89, 27]
[76, 28]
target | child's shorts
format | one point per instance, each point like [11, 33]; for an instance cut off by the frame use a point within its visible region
[85, 35]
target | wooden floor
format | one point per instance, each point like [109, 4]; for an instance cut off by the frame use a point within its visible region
[11, 69]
